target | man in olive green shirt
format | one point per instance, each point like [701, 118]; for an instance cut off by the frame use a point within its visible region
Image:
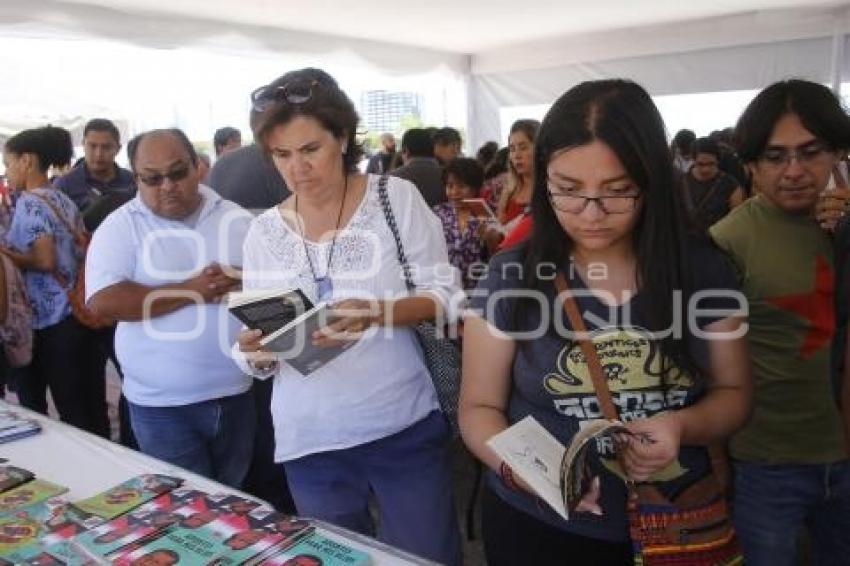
[790, 460]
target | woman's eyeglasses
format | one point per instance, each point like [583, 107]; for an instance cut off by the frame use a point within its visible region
[295, 92]
[806, 155]
[575, 203]
[156, 179]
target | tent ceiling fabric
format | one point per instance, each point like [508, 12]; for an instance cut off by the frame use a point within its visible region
[161, 25]
[468, 26]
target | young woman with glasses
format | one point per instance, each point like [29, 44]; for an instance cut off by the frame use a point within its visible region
[604, 218]
[368, 422]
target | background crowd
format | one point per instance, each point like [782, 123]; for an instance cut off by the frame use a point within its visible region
[756, 210]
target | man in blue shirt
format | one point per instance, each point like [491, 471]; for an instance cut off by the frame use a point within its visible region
[98, 175]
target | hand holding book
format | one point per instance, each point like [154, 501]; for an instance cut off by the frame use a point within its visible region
[652, 446]
[250, 344]
[349, 320]
[286, 325]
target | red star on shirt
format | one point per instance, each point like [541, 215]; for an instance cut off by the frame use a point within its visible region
[816, 307]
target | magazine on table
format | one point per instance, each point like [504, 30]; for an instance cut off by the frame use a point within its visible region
[559, 475]
[287, 319]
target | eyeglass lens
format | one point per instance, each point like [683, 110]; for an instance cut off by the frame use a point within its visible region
[156, 179]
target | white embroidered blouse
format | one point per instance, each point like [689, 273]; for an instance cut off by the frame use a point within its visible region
[380, 385]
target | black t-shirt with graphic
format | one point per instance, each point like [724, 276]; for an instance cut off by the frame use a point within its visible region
[551, 381]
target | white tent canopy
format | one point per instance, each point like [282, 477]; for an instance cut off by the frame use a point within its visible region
[192, 62]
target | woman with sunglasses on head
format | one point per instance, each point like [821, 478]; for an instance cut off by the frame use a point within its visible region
[66, 358]
[605, 223]
[368, 421]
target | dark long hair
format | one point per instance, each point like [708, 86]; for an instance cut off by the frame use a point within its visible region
[50, 144]
[620, 114]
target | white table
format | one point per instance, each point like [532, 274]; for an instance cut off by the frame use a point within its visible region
[87, 464]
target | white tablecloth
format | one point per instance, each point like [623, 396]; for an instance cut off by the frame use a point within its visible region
[87, 465]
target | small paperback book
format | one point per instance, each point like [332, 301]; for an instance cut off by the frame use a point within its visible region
[23, 529]
[13, 426]
[139, 523]
[287, 320]
[12, 476]
[479, 208]
[29, 493]
[127, 496]
[559, 475]
[226, 532]
[319, 550]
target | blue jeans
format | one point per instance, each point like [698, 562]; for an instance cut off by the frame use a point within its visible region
[773, 502]
[212, 438]
[410, 476]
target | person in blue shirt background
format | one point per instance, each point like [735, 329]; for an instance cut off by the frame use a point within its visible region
[40, 242]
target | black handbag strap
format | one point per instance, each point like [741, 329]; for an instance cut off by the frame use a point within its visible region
[384, 197]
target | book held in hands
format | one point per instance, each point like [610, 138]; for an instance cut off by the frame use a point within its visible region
[287, 319]
[479, 208]
[559, 475]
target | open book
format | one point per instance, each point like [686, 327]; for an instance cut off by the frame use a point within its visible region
[287, 319]
[479, 208]
[559, 475]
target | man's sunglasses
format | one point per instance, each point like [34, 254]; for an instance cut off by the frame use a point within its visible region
[295, 92]
[156, 179]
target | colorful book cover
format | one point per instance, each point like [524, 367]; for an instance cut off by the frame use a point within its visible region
[64, 553]
[23, 528]
[29, 494]
[127, 496]
[225, 532]
[318, 550]
[12, 476]
[148, 518]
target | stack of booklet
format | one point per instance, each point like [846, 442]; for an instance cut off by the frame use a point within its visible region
[153, 519]
[13, 426]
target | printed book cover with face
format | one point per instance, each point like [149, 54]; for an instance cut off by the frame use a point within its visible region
[22, 529]
[148, 518]
[318, 550]
[29, 493]
[127, 496]
[216, 529]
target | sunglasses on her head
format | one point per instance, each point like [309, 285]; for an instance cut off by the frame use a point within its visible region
[293, 92]
[156, 179]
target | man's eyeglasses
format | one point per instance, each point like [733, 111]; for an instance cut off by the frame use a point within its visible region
[296, 92]
[575, 203]
[156, 179]
[780, 157]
